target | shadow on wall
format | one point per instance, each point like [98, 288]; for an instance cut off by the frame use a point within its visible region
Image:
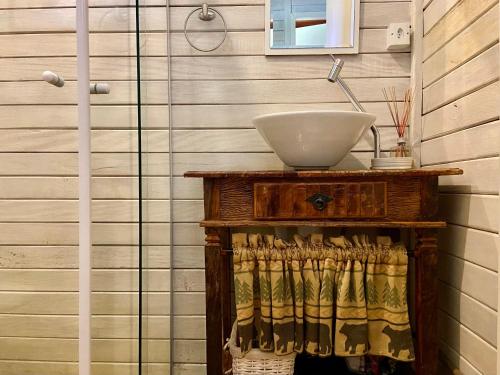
[452, 246]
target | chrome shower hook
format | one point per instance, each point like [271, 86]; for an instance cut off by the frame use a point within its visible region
[206, 14]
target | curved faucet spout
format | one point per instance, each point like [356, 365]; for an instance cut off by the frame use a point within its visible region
[334, 77]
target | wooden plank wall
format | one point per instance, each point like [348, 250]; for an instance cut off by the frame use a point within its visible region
[460, 128]
[38, 196]
[214, 97]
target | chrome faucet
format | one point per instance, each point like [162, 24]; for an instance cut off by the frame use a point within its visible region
[334, 77]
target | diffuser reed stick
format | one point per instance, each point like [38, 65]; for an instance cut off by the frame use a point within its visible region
[400, 116]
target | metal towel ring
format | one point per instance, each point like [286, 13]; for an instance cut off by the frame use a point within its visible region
[206, 14]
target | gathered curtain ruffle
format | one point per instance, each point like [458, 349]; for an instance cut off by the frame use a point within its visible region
[322, 296]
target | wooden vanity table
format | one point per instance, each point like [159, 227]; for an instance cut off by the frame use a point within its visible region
[363, 199]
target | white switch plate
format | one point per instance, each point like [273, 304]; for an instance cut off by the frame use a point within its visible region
[398, 36]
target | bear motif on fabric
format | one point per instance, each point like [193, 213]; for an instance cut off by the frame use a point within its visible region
[285, 334]
[356, 334]
[400, 341]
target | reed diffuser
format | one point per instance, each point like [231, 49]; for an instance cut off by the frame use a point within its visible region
[401, 119]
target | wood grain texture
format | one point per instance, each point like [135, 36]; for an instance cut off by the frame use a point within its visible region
[39, 160]
[214, 287]
[480, 177]
[478, 107]
[426, 294]
[481, 35]
[404, 197]
[239, 43]
[461, 16]
[460, 101]
[435, 11]
[478, 353]
[477, 73]
[335, 200]
[324, 224]
[473, 143]
[463, 308]
[419, 172]
[242, 199]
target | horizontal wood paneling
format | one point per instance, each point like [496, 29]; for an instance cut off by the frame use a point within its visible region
[477, 73]
[461, 16]
[280, 91]
[298, 67]
[481, 35]
[214, 97]
[480, 319]
[239, 43]
[456, 360]
[476, 211]
[125, 141]
[13, 4]
[474, 349]
[470, 279]
[189, 280]
[156, 116]
[460, 129]
[102, 368]
[106, 350]
[103, 327]
[103, 303]
[472, 245]
[478, 107]
[480, 176]
[116, 164]
[435, 11]
[473, 143]
[194, 68]
[207, 92]
[245, 17]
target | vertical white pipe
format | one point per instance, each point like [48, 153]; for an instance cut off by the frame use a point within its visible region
[84, 173]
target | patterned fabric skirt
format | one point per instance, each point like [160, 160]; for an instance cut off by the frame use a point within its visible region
[322, 296]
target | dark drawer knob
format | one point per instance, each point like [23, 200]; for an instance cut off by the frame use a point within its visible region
[319, 201]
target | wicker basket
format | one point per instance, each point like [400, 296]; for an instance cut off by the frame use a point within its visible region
[256, 362]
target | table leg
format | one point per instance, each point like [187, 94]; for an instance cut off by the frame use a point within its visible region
[226, 293]
[216, 284]
[426, 261]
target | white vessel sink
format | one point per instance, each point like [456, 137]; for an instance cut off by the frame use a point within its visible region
[313, 139]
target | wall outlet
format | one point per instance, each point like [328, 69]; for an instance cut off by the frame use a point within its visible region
[398, 36]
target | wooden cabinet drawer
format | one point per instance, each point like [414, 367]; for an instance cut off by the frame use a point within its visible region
[320, 200]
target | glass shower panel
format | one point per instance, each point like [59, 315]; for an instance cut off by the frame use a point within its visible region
[125, 226]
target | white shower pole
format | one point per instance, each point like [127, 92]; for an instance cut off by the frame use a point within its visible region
[84, 180]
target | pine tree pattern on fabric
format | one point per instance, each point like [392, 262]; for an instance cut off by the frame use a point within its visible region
[361, 293]
[237, 290]
[299, 291]
[287, 292]
[350, 294]
[309, 291]
[386, 294]
[327, 289]
[371, 292]
[279, 290]
[265, 288]
[371, 314]
[339, 288]
[404, 293]
[391, 297]
[394, 299]
[242, 292]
